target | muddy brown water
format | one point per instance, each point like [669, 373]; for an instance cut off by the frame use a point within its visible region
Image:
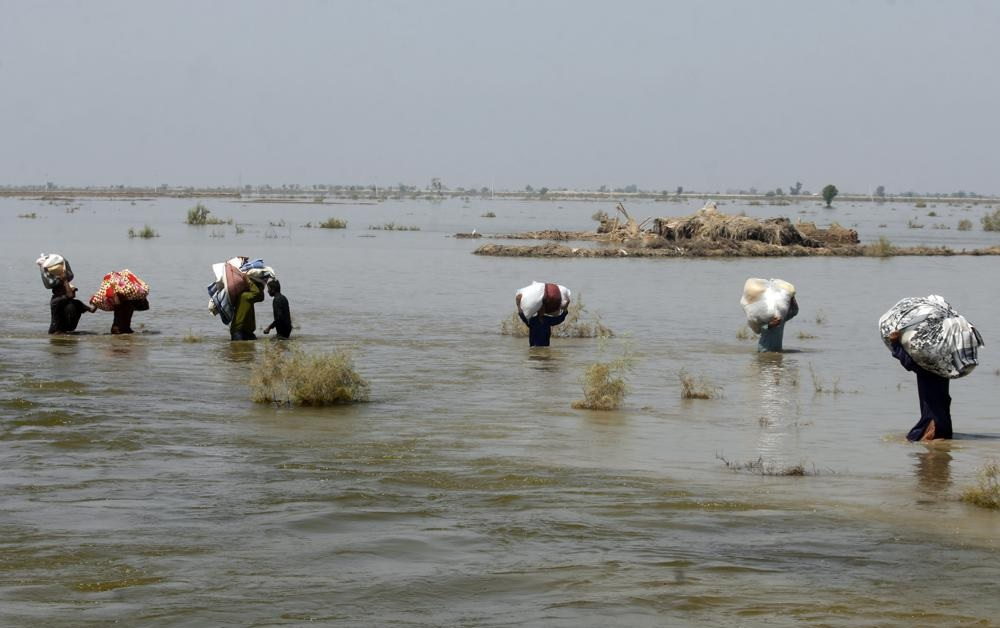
[141, 485]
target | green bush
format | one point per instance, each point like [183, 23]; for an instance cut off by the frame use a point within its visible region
[294, 377]
[145, 232]
[991, 222]
[333, 223]
[201, 215]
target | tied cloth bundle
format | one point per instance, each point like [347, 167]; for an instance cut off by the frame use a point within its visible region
[118, 286]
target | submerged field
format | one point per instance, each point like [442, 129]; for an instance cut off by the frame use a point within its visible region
[143, 485]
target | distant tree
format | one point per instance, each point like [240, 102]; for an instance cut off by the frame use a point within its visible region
[779, 192]
[543, 191]
[796, 189]
[880, 191]
[631, 189]
[529, 189]
[680, 190]
[436, 185]
[829, 192]
[602, 189]
[769, 193]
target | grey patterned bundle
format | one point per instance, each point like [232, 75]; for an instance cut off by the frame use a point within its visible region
[936, 336]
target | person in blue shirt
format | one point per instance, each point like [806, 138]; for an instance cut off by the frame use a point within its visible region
[932, 389]
[540, 326]
[771, 336]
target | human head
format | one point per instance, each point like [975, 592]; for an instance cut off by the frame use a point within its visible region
[273, 287]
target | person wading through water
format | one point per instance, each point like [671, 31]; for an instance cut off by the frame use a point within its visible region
[932, 389]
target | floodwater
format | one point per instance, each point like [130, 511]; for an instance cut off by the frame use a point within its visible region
[141, 486]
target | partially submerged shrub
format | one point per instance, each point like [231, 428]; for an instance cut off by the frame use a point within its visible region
[191, 337]
[29, 215]
[987, 493]
[697, 387]
[294, 377]
[965, 224]
[489, 215]
[604, 385]
[201, 215]
[391, 226]
[333, 223]
[145, 232]
[744, 333]
[991, 222]
[579, 323]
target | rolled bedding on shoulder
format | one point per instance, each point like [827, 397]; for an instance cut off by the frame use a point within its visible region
[934, 334]
[763, 299]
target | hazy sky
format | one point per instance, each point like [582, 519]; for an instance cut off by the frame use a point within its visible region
[701, 94]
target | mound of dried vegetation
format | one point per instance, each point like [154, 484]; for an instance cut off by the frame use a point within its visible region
[697, 387]
[294, 377]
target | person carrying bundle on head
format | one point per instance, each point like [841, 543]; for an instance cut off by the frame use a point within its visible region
[541, 307]
[768, 305]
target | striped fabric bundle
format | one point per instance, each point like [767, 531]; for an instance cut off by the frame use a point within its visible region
[937, 337]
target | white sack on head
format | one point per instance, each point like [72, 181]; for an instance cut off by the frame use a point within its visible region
[936, 336]
[531, 298]
[763, 299]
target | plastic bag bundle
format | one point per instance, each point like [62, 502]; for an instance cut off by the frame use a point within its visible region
[936, 336]
[55, 269]
[763, 299]
[118, 286]
[549, 298]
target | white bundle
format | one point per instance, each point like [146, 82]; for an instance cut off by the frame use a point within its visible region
[763, 299]
[531, 298]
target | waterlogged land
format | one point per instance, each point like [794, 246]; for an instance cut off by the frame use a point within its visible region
[142, 485]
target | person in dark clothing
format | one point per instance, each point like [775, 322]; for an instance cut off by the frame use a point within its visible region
[935, 402]
[282, 322]
[540, 326]
[244, 320]
[122, 323]
[65, 309]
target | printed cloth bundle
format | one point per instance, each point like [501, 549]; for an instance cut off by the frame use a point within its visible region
[937, 337]
[549, 298]
[55, 269]
[763, 299]
[230, 282]
[117, 286]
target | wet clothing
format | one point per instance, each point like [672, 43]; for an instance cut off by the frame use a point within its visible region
[282, 316]
[540, 327]
[771, 337]
[66, 313]
[244, 320]
[123, 318]
[935, 402]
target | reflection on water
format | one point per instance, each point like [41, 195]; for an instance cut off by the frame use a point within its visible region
[932, 467]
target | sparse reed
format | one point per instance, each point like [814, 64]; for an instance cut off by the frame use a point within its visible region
[28, 215]
[145, 232]
[391, 226]
[986, 493]
[699, 387]
[991, 222]
[191, 337]
[201, 215]
[604, 385]
[965, 225]
[880, 248]
[767, 467]
[489, 215]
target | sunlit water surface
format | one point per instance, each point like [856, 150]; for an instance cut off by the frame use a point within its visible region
[141, 485]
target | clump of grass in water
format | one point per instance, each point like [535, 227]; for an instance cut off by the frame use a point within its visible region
[806, 336]
[145, 232]
[991, 222]
[604, 385]
[191, 337]
[30, 215]
[762, 467]
[880, 248]
[489, 215]
[965, 224]
[745, 333]
[987, 493]
[576, 325]
[391, 226]
[201, 215]
[332, 223]
[697, 387]
[295, 377]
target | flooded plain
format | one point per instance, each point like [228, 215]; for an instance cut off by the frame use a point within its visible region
[142, 486]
